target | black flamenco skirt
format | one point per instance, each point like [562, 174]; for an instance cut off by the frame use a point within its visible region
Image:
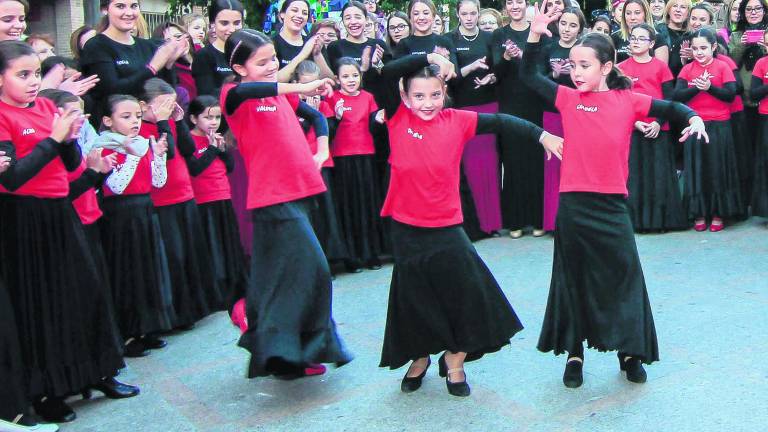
[325, 222]
[138, 268]
[744, 157]
[194, 287]
[471, 222]
[522, 188]
[288, 303]
[229, 263]
[64, 321]
[358, 202]
[712, 186]
[13, 397]
[760, 181]
[654, 200]
[598, 291]
[442, 297]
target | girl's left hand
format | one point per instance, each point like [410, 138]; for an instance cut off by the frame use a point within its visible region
[5, 162]
[702, 83]
[652, 131]
[160, 146]
[380, 117]
[178, 112]
[543, 18]
[695, 127]
[339, 109]
[488, 79]
[100, 164]
[164, 109]
[552, 145]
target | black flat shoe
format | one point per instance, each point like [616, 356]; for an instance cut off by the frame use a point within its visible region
[54, 410]
[114, 389]
[135, 349]
[634, 369]
[153, 342]
[411, 384]
[460, 389]
[573, 376]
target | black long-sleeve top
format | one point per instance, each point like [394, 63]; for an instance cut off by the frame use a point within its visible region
[87, 180]
[21, 170]
[468, 50]
[210, 69]
[514, 91]
[684, 93]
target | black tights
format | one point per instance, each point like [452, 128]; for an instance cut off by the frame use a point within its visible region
[576, 351]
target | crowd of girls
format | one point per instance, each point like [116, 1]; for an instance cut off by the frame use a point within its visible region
[147, 183]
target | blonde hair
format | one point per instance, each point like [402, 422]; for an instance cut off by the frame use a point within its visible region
[496, 14]
[669, 6]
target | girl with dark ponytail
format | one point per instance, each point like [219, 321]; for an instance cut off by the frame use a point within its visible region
[597, 291]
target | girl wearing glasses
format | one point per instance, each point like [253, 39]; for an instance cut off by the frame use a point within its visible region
[398, 28]
[654, 201]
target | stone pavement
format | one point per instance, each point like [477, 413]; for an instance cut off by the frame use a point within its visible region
[709, 294]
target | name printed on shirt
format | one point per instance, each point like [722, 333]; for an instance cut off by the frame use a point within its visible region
[122, 62]
[415, 134]
[462, 48]
[27, 131]
[589, 109]
[266, 108]
[223, 69]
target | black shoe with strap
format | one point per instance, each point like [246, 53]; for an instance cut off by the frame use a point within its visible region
[573, 376]
[54, 410]
[633, 366]
[460, 389]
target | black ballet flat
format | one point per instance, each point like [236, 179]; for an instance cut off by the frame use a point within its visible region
[573, 376]
[114, 389]
[153, 342]
[411, 384]
[54, 410]
[460, 389]
[135, 349]
[634, 369]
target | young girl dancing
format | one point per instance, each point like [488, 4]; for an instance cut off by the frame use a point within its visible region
[598, 291]
[289, 294]
[654, 200]
[442, 298]
[708, 86]
[355, 180]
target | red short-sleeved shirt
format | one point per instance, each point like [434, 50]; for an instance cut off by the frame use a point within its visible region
[327, 111]
[761, 68]
[738, 104]
[598, 127]
[353, 136]
[277, 159]
[25, 127]
[707, 106]
[87, 204]
[178, 187]
[212, 184]
[141, 182]
[647, 79]
[425, 157]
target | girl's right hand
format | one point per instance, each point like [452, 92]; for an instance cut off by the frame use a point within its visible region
[163, 55]
[308, 48]
[100, 164]
[216, 140]
[447, 69]
[542, 19]
[159, 147]
[478, 64]
[164, 109]
[339, 109]
[5, 162]
[66, 123]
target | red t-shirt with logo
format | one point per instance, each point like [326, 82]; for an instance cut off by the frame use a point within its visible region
[425, 159]
[353, 136]
[707, 106]
[277, 159]
[761, 68]
[212, 184]
[326, 111]
[141, 182]
[25, 127]
[647, 78]
[87, 204]
[178, 187]
[598, 127]
[737, 105]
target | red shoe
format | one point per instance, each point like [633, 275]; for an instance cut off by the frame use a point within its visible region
[700, 225]
[314, 369]
[717, 225]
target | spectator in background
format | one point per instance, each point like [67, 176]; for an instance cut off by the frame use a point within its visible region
[195, 25]
[14, 22]
[489, 20]
[398, 28]
[437, 26]
[43, 44]
[79, 38]
[327, 30]
[372, 6]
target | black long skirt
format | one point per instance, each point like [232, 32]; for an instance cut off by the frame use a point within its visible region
[325, 222]
[288, 303]
[654, 198]
[63, 317]
[522, 188]
[471, 222]
[742, 144]
[13, 397]
[712, 186]
[193, 284]
[760, 182]
[228, 260]
[138, 267]
[598, 290]
[442, 297]
[358, 202]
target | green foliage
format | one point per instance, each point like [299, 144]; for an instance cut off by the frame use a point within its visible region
[254, 9]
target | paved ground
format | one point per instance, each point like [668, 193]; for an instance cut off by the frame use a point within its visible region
[710, 298]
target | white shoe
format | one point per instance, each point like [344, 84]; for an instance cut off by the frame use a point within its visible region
[6, 426]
